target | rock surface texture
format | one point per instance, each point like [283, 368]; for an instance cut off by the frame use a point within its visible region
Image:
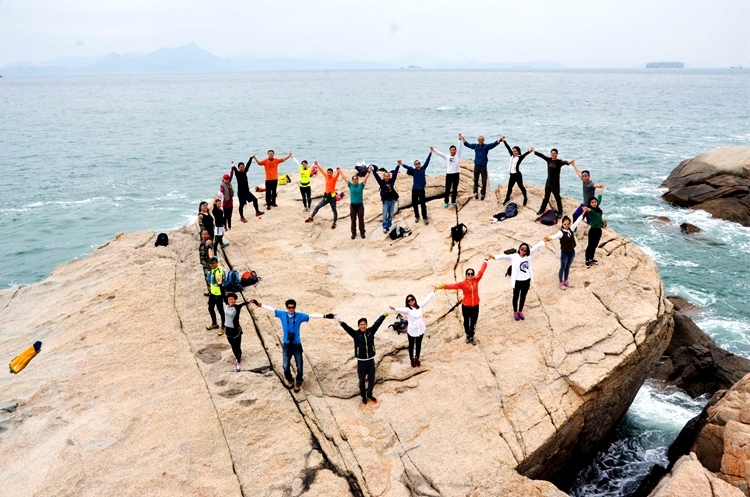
[131, 395]
[690, 479]
[717, 182]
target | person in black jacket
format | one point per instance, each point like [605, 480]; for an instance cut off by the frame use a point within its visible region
[514, 169]
[232, 329]
[364, 352]
[552, 186]
[243, 189]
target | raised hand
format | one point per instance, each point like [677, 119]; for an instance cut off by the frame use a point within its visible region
[432, 149]
[532, 150]
[400, 163]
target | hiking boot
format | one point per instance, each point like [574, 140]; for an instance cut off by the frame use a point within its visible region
[333, 226]
[243, 219]
[237, 366]
[539, 212]
[385, 230]
[520, 316]
[426, 221]
[362, 234]
[515, 316]
[220, 332]
[364, 400]
[274, 205]
[212, 326]
[309, 220]
[418, 363]
[354, 235]
[268, 207]
[372, 399]
[297, 385]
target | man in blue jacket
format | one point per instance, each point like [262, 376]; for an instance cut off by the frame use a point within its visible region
[388, 195]
[417, 189]
[481, 150]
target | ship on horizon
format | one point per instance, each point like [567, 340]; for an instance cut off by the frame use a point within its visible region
[665, 65]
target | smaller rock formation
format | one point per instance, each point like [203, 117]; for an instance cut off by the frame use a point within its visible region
[689, 229]
[661, 219]
[689, 478]
[717, 182]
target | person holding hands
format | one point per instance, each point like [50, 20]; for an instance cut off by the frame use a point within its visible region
[329, 197]
[521, 274]
[364, 352]
[470, 301]
[271, 165]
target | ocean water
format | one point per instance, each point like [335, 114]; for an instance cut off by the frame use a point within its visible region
[83, 158]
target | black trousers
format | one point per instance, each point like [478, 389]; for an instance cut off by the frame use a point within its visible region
[415, 342]
[228, 216]
[480, 172]
[417, 200]
[271, 185]
[470, 314]
[451, 186]
[216, 301]
[515, 179]
[552, 189]
[366, 369]
[357, 213]
[235, 342]
[595, 234]
[519, 294]
[306, 192]
[245, 198]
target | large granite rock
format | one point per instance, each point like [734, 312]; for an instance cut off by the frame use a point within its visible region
[131, 395]
[717, 182]
[689, 478]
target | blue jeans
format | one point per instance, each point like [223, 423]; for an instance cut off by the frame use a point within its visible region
[288, 350]
[389, 206]
[566, 260]
[578, 212]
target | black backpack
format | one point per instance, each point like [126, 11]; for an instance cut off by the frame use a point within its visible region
[161, 240]
[511, 210]
[549, 218]
[401, 324]
[399, 232]
[457, 233]
[362, 170]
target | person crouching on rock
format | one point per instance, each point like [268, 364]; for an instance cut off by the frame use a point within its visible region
[329, 197]
[291, 343]
[567, 247]
[521, 274]
[216, 294]
[233, 330]
[364, 352]
[596, 221]
[470, 302]
[416, 329]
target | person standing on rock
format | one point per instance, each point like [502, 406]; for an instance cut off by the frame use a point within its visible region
[329, 197]
[470, 301]
[567, 248]
[226, 193]
[364, 352]
[416, 328]
[514, 170]
[418, 199]
[452, 173]
[216, 294]
[205, 253]
[481, 150]
[596, 221]
[243, 189]
[305, 188]
[233, 330]
[589, 191]
[388, 195]
[271, 164]
[291, 343]
[205, 221]
[521, 274]
[552, 186]
[356, 202]
[218, 213]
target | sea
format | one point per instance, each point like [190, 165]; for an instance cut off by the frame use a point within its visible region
[86, 157]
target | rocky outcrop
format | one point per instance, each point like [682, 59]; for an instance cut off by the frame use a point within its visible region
[717, 182]
[689, 478]
[132, 395]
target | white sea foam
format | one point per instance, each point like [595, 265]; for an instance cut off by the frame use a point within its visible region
[444, 107]
[660, 407]
[694, 295]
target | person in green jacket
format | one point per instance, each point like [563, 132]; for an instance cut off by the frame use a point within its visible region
[596, 221]
[364, 352]
[356, 205]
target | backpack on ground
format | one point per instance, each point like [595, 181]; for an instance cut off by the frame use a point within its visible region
[549, 218]
[399, 232]
[284, 179]
[340, 195]
[511, 210]
[400, 325]
[161, 240]
[232, 281]
[457, 233]
[249, 278]
[362, 169]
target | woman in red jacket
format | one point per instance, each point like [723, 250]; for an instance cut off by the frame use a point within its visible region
[470, 302]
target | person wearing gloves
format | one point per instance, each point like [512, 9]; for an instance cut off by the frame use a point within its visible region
[567, 247]
[232, 329]
[452, 173]
[417, 190]
[470, 301]
[364, 352]
[521, 274]
[291, 343]
[416, 329]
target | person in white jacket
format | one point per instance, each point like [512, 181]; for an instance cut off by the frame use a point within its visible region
[453, 171]
[416, 328]
[567, 247]
[521, 274]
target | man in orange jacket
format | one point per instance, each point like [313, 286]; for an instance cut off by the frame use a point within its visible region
[329, 197]
[470, 302]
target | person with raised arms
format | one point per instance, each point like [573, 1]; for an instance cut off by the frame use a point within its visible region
[305, 188]
[233, 330]
[417, 190]
[364, 352]
[416, 327]
[481, 149]
[244, 195]
[552, 185]
[514, 170]
[452, 172]
[388, 194]
[226, 194]
[589, 191]
[205, 221]
[271, 164]
[291, 342]
[521, 274]
[470, 300]
[215, 280]
[596, 221]
[356, 202]
[567, 238]
[219, 224]
[329, 197]
[205, 253]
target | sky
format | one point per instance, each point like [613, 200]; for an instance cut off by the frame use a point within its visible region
[577, 33]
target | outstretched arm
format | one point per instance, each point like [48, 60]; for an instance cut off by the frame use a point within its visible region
[427, 299]
[343, 176]
[439, 153]
[231, 172]
[542, 156]
[348, 329]
[367, 176]
[378, 322]
[377, 176]
[286, 158]
[481, 271]
[296, 161]
[508, 257]
[578, 171]
[493, 145]
[427, 160]
[536, 247]
[510, 151]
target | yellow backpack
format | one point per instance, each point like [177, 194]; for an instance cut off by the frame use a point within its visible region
[284, 179]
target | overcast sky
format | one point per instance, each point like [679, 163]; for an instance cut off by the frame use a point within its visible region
[577, 33]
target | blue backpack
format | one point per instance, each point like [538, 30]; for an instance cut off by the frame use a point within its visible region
[232, 281]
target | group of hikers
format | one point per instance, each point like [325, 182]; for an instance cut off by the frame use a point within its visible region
[214, 223]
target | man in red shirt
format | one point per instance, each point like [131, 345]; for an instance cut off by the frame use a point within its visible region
[329, 197]
[271, 164]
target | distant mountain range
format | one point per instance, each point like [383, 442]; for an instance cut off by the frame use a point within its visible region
[193, 59]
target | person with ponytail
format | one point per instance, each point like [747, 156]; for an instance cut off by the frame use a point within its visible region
[567, 247]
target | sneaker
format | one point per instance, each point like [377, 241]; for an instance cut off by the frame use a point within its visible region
[482, 197]
[237, 367]
[373, 399]
[297, 385]
[594, 261]
[220, 332]
[268, 207]
[473, 341]
[364, 400]
[274, 205]
[520, 316]
[413, 363]
[385, 230]
[515, 316]
[243, 219]
[354, 235]
[589, 264]
[362, 234]
[446, 206]
[468, 339]
[418, 363]
[476, 196]
[539, 212]
[562, 286]
[426, 221]
[259, 213]
[225, 245]
[212, 326]
[455, 205]
[416, 219]
[309, 220]
[333, 226]
[567, 283]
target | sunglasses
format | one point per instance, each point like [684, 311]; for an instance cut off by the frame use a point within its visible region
[469, 274]
[411, 299]
[291, 307]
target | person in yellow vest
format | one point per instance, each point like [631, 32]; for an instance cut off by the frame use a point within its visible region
[22, 359]
[305, 188]
[216, 294]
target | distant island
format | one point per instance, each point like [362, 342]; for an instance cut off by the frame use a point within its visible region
[665, 65]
